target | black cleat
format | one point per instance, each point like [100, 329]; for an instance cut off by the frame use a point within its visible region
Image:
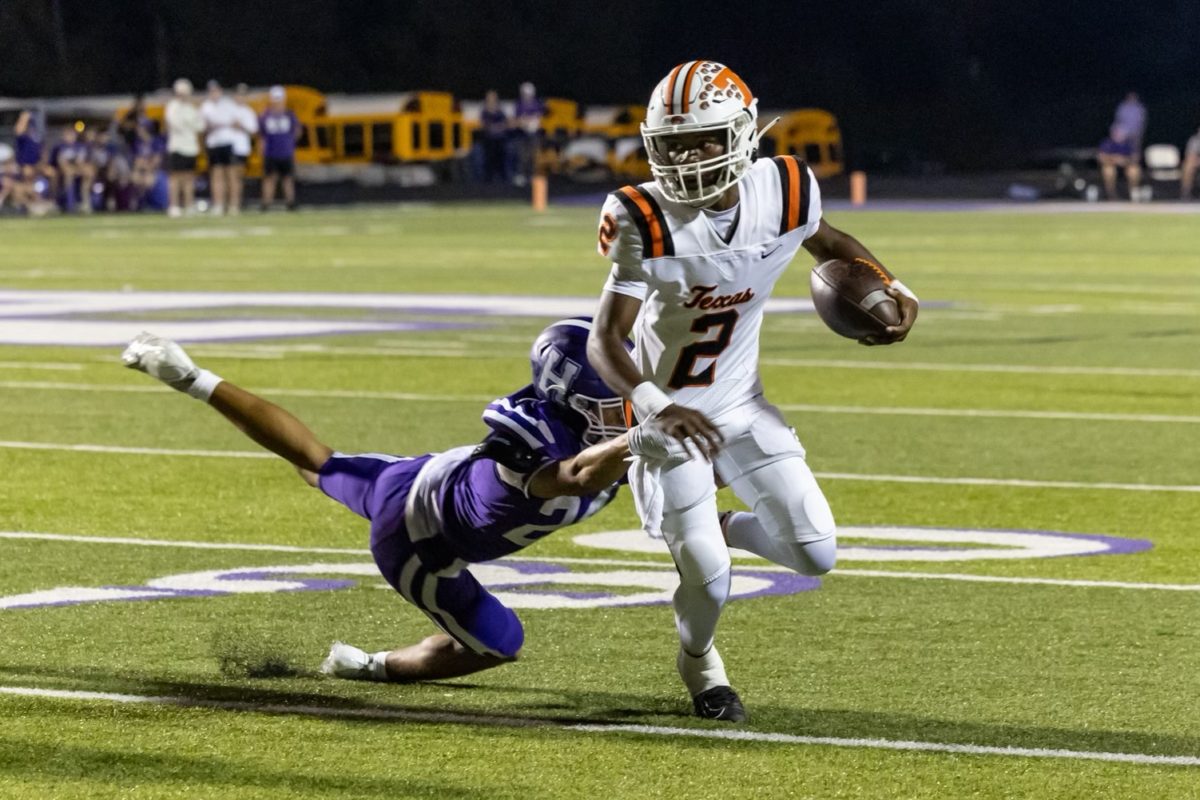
[722, 703]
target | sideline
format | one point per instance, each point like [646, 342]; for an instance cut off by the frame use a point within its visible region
[438, 717]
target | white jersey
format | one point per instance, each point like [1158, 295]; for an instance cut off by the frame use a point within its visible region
[247, 126]
[220, 117]
[697, 336]
[184, 126]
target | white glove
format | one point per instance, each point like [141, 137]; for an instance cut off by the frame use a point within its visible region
[165, 360]
[648, 440]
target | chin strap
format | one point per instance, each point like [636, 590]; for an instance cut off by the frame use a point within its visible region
[759, 135]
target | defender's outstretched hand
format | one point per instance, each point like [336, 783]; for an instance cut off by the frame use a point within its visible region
[676, 432]
[165, 360]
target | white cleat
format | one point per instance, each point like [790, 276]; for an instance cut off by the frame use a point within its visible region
[349, 663]
[161, 358]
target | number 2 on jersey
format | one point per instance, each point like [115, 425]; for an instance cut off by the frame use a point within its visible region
[682, 375]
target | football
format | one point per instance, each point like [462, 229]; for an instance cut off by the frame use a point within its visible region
[851, 298]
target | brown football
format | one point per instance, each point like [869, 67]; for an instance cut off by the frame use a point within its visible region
[851, 298]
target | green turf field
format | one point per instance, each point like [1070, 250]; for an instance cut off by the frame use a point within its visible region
[1050, 385]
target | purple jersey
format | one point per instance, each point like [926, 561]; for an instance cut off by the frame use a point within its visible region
[278, 129]
[29, 150]
[433, 514]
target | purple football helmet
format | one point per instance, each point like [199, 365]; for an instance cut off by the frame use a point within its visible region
[562, 375]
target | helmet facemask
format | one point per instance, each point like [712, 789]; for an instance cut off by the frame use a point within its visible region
[699, 183]
[605, 417]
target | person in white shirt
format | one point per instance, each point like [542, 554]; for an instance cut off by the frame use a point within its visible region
[245, 127]
[220, 114]
[696, 253]
[184, 126]
[1191, 162]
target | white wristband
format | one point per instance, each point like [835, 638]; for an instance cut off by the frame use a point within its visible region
[204, 385]
[902, 289]
[648, 400]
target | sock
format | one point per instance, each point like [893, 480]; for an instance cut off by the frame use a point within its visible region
[697, 610]
[701, 673]
[377, 663]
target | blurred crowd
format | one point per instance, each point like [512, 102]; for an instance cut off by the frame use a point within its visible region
[1121, 152]
[138, 163]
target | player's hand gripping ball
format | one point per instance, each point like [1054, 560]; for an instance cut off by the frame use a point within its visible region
[851, 297]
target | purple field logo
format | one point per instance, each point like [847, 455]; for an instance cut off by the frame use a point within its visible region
[523, 584]
[917, 544]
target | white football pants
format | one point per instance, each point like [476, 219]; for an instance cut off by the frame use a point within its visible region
[791, 523]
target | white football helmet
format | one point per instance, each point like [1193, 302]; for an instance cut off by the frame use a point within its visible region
[700, 97]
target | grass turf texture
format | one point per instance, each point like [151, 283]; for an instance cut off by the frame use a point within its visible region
[1094, 669]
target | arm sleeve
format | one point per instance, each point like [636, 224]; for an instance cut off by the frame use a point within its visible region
[620, 242]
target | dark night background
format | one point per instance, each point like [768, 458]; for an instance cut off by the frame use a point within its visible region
[974, 83]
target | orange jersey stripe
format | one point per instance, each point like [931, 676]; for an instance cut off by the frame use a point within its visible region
[656, 232]
[793, 198]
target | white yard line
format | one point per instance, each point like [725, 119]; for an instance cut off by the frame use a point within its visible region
[657, 731]
[1013, 482]
[183, 544]
[993, 413]
[146, 387]
[55, 366]
[140, 451]
[901, 411]
[843, 476]
[1030, 369]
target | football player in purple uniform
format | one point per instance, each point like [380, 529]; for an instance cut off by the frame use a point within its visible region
[554, 456]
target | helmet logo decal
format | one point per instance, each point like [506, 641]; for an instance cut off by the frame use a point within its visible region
[557, 375]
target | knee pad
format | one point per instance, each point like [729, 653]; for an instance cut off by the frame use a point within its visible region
[701, 560]
[813, 558]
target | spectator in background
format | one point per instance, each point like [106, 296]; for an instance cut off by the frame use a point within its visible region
[280, 131]
[493, 125]
[31, 155]
[131, 122]
[1117, 152]
[147, 161]
[69, 157]
[220, 114]
[9, 176]
[1191, 162]
[184, 126]
[245, 126]
[1131, 117]
[528, 121]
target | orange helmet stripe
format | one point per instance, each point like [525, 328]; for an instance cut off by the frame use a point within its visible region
[669, 94]
[687, 82]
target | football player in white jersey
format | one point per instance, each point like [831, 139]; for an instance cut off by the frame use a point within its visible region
[696, 252]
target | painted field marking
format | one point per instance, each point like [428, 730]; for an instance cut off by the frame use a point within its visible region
[600, 562]
[913, 411]
[156, 388]
[1013, 482]
[994, 413]
[1017, 483]
[62, 366]
[462, 718]
[138, 451]
[1028, 369]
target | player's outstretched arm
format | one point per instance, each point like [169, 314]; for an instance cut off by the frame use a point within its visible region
[263, 421]
[830, 243]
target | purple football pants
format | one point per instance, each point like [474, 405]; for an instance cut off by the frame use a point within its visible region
[425, 572]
